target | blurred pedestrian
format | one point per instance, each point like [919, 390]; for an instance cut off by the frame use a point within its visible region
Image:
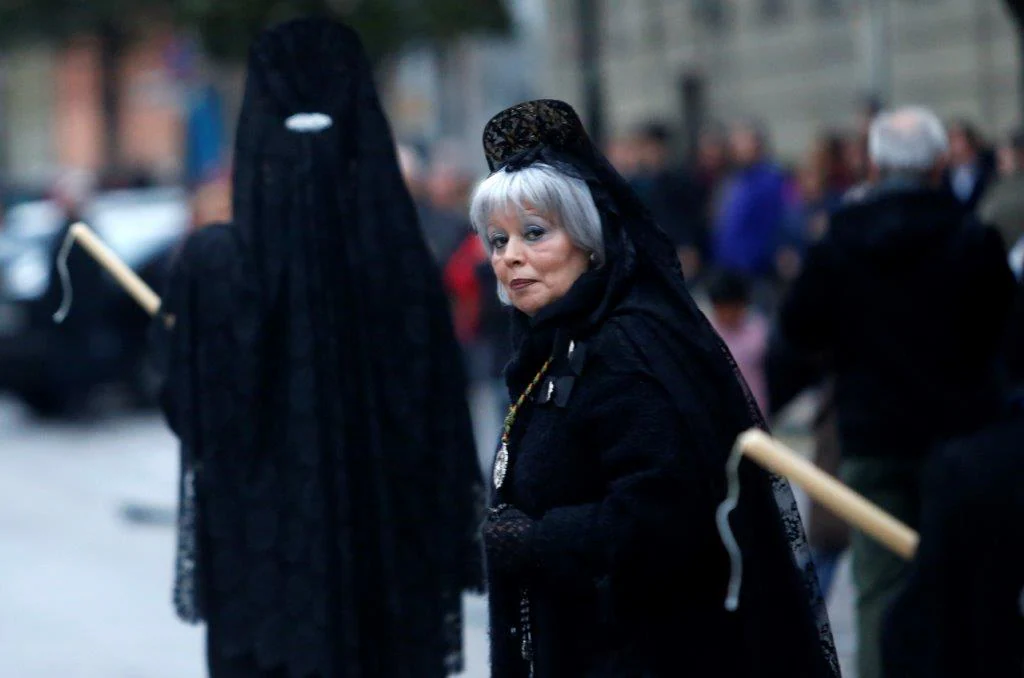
[752, 212]
[329, 487]
[672, 196]
[446, 188]
[711, 165]
[743, 328]
[962, 612]
[88, 342]
[972, 166]
[1003, 206]
[907, 296]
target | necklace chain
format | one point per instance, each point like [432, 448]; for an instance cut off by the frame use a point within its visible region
[501, 460]
[510, 418]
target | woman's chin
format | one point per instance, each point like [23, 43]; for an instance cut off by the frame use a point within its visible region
[525, 300]
[526, 309]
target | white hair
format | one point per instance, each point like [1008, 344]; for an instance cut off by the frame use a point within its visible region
[909, 139]
[541, 188]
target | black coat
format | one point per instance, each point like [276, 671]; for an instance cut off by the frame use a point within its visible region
[962, 611]
[1014, 345]
[909, 299]
[676, 204]
[627, 573]
[617, 468]
[987, 173]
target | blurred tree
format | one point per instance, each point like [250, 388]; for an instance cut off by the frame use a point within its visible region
[385, 25]
[226, 27]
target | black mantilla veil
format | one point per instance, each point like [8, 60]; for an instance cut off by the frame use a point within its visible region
[780, 601]
[331, 496]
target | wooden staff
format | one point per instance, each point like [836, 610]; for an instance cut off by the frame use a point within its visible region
[754, 443]
[121, 272]
[125, 276]
[829, 492]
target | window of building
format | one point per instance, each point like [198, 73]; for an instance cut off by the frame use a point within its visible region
[772, 11]
[712, 14]
[828, 8]
[654, 25]
[619, 26]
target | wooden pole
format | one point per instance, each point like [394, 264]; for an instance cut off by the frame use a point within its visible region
[125, 276]
[829, 492]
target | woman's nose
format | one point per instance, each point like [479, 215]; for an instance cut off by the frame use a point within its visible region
[513, 253]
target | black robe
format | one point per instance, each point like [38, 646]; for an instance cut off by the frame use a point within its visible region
[628, 573]
[330, 491]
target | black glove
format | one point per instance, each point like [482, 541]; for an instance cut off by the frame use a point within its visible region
[508, 540]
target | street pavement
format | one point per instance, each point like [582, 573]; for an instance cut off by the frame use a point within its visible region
[85, 589]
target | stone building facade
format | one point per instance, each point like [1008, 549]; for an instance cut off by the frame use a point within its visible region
[798, 65]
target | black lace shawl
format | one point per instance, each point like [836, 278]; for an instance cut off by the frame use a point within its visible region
[331, 496]
[642, 289]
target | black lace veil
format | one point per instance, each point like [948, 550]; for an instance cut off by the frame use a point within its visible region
[331, 493]
[780, 589]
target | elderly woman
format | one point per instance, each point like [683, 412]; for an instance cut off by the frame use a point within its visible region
[603, 553]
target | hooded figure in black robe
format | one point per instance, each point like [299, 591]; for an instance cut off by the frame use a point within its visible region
[330, 493]
[602, 550]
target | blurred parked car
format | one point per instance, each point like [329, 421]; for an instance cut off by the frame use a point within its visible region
[54, 368]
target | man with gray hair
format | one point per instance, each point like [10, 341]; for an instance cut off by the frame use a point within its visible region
[906, 296]
[909, 142]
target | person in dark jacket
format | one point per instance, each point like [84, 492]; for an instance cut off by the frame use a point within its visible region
[602, 550]
[908, 297]
[89, 343]
[962, 611]
[673, 198]
[972, 166]
[330, 494]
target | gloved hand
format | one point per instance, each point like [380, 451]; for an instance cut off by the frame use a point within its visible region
[507, 534]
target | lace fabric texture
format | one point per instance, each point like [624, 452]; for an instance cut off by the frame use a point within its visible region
[506, 539]
[330, 493]
[187, 594]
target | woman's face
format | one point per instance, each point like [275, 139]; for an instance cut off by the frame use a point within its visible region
[533, 258]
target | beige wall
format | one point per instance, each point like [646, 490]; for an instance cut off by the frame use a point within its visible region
[151, 127]
[78, 120]
[28, 104]
[52, 109]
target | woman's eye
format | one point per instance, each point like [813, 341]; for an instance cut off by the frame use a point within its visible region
[534, 232]
[498, 241]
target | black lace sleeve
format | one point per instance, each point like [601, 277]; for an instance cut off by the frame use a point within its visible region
[192, 297]
[164, 336]
[460, 490]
